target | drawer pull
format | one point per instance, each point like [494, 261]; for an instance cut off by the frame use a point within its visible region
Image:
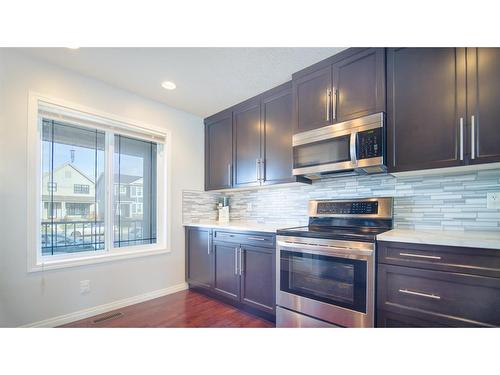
[406, 291]
[256, 238]
[420, 256]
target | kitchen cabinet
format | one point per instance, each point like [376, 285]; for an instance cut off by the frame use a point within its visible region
[247, 143]
[442, 107]
[250, 144]
[359, 85]
[219, 151]
[483, 112]
[277, 155]
[226, 280]
[236, 267]
[258, 277]
[426, 107]
[348, 85]
[312, 100]
[428, 285]
[199, 260]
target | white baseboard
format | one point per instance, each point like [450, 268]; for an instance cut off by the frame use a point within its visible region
[82, 314]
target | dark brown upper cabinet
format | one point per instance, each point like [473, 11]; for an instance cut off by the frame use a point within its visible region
[426, 107]
[277, 155]
[219, 151]
[483, 109]
[348, 85]
[313, 100]
[250, 144]
[441, 107]
[247, 143]
[359, 85]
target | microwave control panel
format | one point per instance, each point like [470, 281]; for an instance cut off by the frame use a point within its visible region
[369, 144]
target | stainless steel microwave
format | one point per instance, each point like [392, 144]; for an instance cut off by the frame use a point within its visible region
[356, 146]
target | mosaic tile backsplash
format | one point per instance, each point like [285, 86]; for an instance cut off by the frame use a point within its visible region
[445, 201]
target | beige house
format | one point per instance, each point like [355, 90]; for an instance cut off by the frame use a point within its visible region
[72, 193]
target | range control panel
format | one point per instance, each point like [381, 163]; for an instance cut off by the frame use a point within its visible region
[347, 208]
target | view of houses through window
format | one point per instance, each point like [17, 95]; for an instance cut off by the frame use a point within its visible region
[73, 202]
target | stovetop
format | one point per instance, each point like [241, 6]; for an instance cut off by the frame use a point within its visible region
[364, 234]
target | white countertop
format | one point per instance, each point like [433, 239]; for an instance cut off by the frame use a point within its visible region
[479, 239]
[242, 225]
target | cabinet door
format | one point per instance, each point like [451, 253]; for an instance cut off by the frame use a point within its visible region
[277, 158]
[227, 280]
[483, 97]
[258, 278]
[312, 100]
[247, 134]
[199, 257]
[359, 85]
[425, 107]
[218, 151]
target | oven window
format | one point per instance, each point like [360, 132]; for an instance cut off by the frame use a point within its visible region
[333, 150]
[337, 281]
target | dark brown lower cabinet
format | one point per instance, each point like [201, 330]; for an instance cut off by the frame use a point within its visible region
[237, 267]
[227, 280]
[257, 277]
[199, 259]
[430, 286]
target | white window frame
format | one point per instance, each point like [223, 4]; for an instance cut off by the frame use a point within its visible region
[89, 117]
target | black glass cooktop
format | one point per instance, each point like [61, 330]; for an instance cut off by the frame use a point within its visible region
[365, 234]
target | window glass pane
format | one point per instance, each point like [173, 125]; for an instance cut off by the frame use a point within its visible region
[134, 171]
[72, 189]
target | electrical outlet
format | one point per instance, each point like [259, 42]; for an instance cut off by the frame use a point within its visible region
[84, 286]
[249, 206]
[493, 200]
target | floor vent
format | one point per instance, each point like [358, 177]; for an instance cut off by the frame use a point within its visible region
[107, 317]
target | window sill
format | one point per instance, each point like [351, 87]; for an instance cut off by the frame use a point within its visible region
[51, 264]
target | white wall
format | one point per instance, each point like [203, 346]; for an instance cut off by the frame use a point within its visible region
[31, 297]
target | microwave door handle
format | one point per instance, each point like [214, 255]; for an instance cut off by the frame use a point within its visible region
[352, 149]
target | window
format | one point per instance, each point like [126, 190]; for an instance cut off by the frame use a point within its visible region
[81, 189]
[52, 187]
[92, 169]
[135, 164]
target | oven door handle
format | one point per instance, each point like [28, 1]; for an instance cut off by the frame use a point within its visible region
[340, 252]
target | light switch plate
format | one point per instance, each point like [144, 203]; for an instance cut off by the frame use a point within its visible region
[493, 200]
[249, 207]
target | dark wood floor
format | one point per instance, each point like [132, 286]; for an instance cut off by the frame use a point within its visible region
[182, 309]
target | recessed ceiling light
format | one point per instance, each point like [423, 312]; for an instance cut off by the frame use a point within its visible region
[168, 85]
[73, 47]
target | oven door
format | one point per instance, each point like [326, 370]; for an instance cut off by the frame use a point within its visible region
[331, 283]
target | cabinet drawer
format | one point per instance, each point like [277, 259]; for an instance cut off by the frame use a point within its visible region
[457, 299]
[485, 262]
[386, 319]
[250, 238]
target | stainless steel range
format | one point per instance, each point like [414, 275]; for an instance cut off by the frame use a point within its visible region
[325, 272]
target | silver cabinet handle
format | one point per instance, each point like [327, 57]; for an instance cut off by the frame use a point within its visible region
[328, 101]
[461, 138]
[334, 101]
[406, 291]
[241, 256]
[235, 260]
[229, 174]
[420, 256]
[256, 238]
[208, 247]
[473, 137]
[257, 168]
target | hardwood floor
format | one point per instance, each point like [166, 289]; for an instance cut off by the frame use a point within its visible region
[181, 309]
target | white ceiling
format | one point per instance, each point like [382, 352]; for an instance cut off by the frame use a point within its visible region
[208, 79]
